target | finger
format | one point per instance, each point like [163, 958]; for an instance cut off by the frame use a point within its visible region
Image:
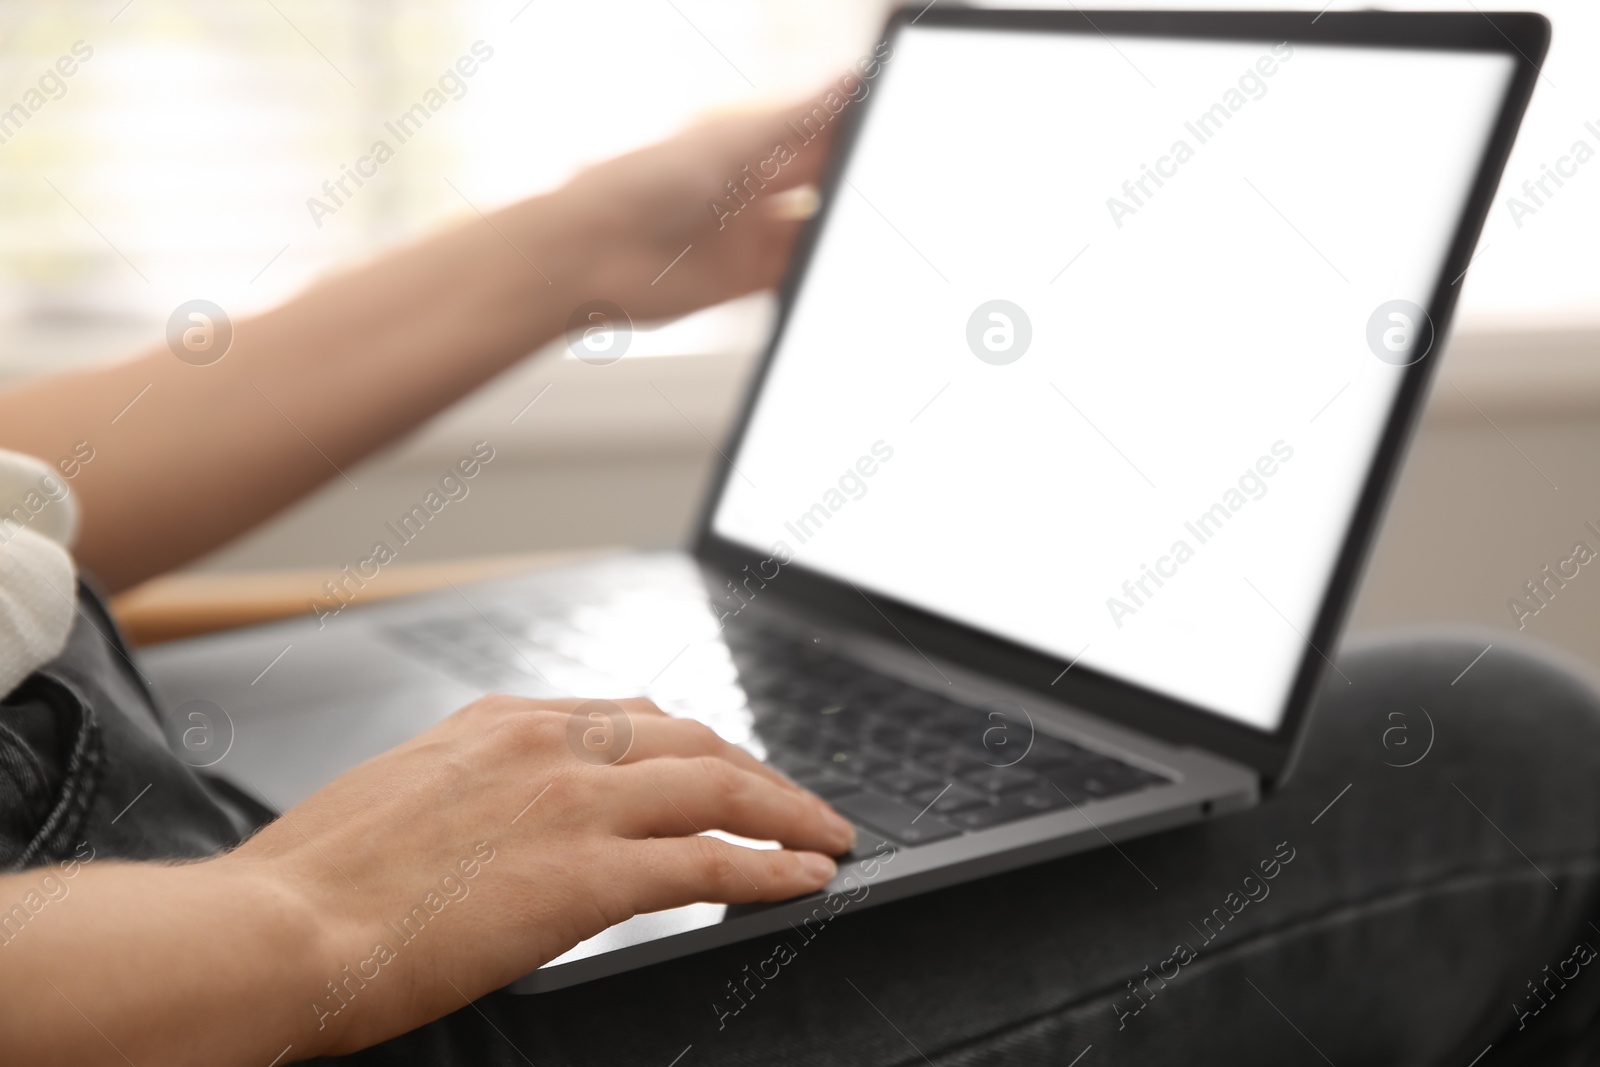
[654, 738]
[677, 797]
[790, 206]
[811, 156]
[804, 128]
[567, 705]
[693, 870]
[640, 706]
[652, 733]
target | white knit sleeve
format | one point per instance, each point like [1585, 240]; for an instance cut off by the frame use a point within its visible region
[38, 518]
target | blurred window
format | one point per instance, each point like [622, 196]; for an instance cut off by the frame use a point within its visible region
[178, 158]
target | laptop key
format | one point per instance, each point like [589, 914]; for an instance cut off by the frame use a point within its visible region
[864, 764]
[868, 843]
[894, 820]
[1106, 779]
[949, 798]
[1023, 805]
[999, 779]
[1103, 781]
[959, 762]
[887, 735]
[1051, 751]
[902, 781]
[872, 689]
[1105, 786]
[829, 784]
[798, 765]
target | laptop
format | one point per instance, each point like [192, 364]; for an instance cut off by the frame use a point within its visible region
[1047, 499]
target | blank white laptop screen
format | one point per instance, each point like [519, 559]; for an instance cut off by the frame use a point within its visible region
[1100, 334]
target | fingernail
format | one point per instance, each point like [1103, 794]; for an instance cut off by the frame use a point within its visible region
[838, 823]
[818, 866]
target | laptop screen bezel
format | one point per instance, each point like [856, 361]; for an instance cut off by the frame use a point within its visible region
[1523, 37]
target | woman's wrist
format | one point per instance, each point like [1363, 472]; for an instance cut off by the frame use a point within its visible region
[536, 265]
[299, 942]
[212, 962]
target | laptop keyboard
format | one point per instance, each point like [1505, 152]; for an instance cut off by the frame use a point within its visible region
[904, 762]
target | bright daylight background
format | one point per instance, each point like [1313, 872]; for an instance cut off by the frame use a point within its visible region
[178, 163]
[194, 135]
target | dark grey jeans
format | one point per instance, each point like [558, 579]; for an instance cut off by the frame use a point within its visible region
[1428, 911]
[1444, 830]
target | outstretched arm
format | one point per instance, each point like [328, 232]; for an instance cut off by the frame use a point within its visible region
[210, 451]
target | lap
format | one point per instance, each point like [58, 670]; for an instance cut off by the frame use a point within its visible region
[1435, 848]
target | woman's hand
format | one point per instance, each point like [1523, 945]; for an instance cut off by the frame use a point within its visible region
[487, 846]
[718, 195]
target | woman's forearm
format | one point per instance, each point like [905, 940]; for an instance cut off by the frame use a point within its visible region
[118, 963]
[305, 391]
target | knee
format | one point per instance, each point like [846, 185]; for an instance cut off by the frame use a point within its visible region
[1505, 723]
[1486, 695]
